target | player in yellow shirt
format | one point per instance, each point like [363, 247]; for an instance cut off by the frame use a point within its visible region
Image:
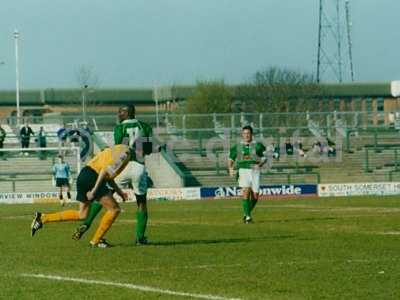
[91, 185]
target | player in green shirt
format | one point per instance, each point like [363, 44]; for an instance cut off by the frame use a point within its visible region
[247, 158]
[138, 136]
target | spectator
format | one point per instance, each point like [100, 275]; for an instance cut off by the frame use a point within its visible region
[25, 134]
[299, 148]
[317, 147]
[275, 150]
[331, 148]
[289, 147]
[331, 151]
[3, 135]
[41, 142]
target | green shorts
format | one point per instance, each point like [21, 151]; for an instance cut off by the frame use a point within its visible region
[86, 181]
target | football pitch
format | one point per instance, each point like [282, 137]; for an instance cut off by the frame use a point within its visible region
[333, 248]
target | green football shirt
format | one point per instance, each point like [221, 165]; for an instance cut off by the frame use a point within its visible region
[247, 155]
[129, 132]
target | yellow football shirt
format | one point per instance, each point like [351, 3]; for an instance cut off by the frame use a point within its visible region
[113, 160]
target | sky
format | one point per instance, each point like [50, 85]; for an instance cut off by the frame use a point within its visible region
[147, 43]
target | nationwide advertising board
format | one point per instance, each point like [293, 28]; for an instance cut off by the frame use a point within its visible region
[266, 191]
[359, 189]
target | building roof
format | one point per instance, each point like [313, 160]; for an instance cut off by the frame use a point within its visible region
[146, 96]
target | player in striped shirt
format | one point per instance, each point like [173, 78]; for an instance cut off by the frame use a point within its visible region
[137, 135]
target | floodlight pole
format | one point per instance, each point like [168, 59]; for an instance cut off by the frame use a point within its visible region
[84, 102]
[156, 95]
[157, 117]
[16, 37]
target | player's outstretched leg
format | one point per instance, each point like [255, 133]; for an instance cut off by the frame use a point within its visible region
[36, 223]
[41, 218]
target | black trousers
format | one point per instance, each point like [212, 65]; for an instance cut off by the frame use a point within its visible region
[25, 143]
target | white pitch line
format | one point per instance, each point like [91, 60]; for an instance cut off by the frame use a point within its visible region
[16, 217]
[207, 267]
[129, 286]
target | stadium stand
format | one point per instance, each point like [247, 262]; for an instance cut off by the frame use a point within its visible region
[28, 173]
[11, 138]
[367, 155]
[50, 130]
[209, 169]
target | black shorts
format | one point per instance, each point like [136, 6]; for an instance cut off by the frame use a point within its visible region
[62, 182]
[86, 181]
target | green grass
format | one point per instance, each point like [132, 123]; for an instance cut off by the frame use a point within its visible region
[343, 248]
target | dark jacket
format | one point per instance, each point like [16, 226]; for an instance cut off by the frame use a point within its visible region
[2, 134]
[26, 132]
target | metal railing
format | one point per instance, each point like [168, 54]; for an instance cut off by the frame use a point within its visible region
[182, 122]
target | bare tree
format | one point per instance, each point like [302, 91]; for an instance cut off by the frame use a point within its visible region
[88, 82]
[278, 90]
[86, 76]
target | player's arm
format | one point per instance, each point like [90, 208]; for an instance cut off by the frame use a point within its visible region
[118, 134]
[116, 162]
[231, 160]
[100, 178]
[118, 190]
[231, 167]
[148, 142]
[261, 152]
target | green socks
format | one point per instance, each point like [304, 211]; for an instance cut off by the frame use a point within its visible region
[253, 203]
[246, 207]
[141, 223]
[145, 223]
[94, 209]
